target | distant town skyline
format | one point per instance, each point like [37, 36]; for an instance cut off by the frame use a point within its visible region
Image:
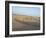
[29, 11]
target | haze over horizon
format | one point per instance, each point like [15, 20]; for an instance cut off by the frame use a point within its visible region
[29, 11]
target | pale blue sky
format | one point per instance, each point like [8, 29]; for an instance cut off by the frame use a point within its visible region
[29, 11]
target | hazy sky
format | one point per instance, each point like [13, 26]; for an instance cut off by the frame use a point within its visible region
[30, 11]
